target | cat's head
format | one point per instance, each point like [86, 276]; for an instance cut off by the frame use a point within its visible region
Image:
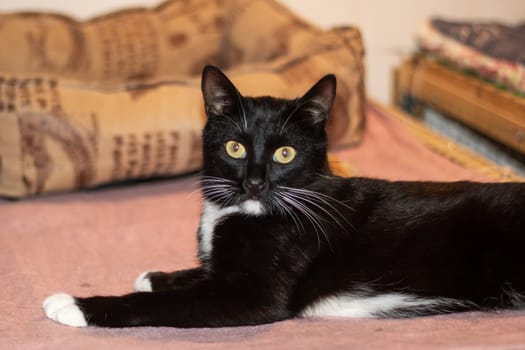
[255, 146]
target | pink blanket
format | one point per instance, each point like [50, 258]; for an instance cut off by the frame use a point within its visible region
[97, 242]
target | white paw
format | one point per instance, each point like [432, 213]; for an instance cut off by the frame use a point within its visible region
[62, 309]
[142, 283]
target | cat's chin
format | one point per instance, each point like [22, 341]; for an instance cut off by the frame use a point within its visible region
[252, 207]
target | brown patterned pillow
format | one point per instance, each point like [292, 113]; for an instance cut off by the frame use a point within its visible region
[118, 97]
[58, 137]
[136, 45]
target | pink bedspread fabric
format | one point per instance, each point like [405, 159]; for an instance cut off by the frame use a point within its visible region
[97, 242]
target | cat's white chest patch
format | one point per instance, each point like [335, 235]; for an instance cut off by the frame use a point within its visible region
[212, 214]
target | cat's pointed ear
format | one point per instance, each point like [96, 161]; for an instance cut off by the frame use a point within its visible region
[317, 102]
[220, 95]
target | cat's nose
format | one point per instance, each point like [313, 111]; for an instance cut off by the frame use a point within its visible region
[254, 186]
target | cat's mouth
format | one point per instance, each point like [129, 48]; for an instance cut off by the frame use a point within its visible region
[228, 194]
[253, 196]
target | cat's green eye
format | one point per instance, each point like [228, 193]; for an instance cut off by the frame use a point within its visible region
[284, 155]
[235, 150]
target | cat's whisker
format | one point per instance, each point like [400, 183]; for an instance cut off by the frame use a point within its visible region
[220, 190]
[216, 193]
[300, 207]
[197, 178]
[218, 184]
[194, 192]
[329, 177]
[319, 194]
[205, 179]
[224, 186]
[220, 194]
[311, 216]
[320, 207]
[318, 199]
[285, 210]
[230, 200]
[210, 191]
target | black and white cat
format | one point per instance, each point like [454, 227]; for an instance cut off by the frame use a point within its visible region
[282, 237]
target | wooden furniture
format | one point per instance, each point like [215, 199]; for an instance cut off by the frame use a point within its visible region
[445, 147]
[478, 104]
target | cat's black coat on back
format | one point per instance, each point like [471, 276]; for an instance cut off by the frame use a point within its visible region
[280, 236]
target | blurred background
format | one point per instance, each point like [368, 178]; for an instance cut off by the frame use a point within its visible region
[388, 27]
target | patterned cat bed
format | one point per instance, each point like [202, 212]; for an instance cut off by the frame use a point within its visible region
[118, 97]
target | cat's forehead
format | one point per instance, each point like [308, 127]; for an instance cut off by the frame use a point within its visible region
[261, 120]
[266, 111]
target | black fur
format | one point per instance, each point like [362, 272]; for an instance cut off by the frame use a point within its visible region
[461, 243]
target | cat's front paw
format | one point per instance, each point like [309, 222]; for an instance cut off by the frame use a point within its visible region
[143, 283]
[63, 309]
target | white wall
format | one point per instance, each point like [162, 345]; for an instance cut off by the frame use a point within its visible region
[387, 25]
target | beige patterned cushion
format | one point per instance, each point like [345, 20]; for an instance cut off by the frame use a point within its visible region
[118, 97]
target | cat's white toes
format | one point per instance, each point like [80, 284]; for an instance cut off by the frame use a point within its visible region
[62, 308]
[143, 283]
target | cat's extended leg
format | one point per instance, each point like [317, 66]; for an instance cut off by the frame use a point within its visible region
[206, 304]
[157, 281]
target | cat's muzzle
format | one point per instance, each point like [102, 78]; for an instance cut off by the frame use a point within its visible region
[254, 187]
